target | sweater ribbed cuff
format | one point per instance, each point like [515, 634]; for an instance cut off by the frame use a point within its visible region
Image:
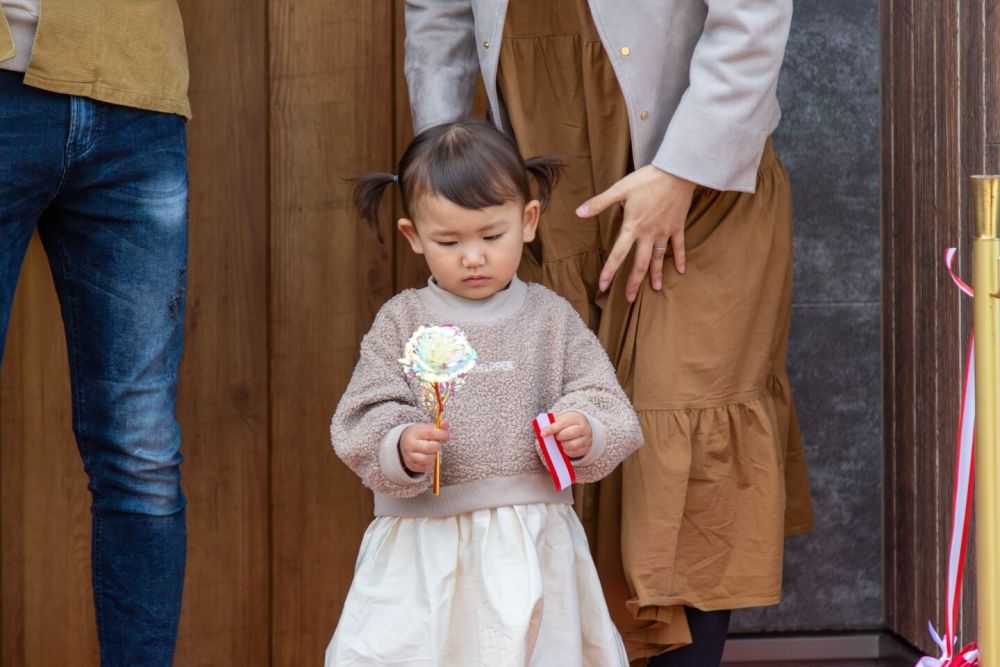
[390, 462]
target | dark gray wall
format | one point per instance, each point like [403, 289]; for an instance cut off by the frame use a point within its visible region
[829, 142]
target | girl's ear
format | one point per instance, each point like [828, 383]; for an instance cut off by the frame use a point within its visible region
[407, 229]
[532, 210]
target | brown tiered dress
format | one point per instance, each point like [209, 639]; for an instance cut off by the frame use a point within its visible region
[698, 516]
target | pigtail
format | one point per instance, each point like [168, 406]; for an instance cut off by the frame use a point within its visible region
[368, 190]
[545, 171]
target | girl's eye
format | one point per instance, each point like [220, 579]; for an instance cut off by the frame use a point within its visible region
[447, 244]
[493, 238]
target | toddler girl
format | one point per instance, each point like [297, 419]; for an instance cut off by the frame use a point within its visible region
[496, 569]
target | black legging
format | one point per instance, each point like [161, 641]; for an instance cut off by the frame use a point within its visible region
[708, 638]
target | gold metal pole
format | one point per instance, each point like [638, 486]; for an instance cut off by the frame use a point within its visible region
[986, 277]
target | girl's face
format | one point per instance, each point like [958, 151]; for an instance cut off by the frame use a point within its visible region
[471, 253]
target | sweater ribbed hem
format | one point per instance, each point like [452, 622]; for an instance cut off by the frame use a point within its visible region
[477, 495]
[22, 31]
[458, 309]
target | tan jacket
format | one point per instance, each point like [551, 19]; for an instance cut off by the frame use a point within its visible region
[698, 76]
[128, 52]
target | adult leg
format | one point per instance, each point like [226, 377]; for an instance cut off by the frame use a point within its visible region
[708, 638]
[116, 236]
[32, 136]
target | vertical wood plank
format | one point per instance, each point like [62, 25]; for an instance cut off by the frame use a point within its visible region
[898, 299]
[331, 116]
[936, 132]
[223, 406]
[45, 506]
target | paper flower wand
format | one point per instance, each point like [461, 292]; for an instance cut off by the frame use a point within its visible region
[439, 357]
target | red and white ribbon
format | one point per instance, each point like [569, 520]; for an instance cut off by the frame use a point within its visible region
[556, 460]
[961, 510]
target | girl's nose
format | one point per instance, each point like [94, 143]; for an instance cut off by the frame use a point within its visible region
[473, 258]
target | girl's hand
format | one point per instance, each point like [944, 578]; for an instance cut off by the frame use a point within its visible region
[656, 207]
[419, 444]
[572, 429]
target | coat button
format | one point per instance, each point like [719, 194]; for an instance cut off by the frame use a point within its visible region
[644, 115]
[625, 51]
[486, 44]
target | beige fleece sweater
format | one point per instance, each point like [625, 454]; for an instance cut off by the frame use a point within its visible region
[535, 355]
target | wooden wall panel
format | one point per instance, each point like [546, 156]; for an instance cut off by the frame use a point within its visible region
[44, 503]
[223, 402]
[331, 116]
[936, 62]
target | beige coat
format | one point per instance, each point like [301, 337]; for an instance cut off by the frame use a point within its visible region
[698, 76]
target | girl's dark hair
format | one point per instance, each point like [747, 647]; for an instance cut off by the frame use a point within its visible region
[468, 162]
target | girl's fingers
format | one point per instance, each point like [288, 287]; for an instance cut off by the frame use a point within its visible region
[420, 462]
[576, 448]
[430, 447]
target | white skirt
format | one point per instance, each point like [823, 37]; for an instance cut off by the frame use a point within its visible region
[511, 586]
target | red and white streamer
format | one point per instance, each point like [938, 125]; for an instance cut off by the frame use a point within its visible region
[961, 510]
[556, 460]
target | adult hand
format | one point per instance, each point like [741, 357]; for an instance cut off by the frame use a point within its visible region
[419, 444]
[656, 207]
[572, 429]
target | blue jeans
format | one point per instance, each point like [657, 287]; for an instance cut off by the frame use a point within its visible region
[106, 188]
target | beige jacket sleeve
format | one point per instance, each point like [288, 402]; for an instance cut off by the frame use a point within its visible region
[716, 135]
[440, 60]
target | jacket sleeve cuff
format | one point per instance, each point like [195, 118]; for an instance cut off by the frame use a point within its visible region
[598, 444]
[390, 462]
[711, 153]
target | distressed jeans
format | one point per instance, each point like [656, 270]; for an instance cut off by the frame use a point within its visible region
[106, 187]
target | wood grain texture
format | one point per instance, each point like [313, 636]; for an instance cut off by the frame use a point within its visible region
[936, 83]
[44, 504]
[331, 116]
[223, 398]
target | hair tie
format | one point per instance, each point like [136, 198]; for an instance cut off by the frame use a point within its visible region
[395, 178]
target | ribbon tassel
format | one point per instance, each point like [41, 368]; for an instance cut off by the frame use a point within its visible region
[961, 508]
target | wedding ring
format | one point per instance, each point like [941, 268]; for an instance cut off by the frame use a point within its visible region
[660, 248]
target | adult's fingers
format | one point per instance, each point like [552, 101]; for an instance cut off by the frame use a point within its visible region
[599, 202]
[640, 266]
[677, 243]
[619, 252]
[656, 263]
